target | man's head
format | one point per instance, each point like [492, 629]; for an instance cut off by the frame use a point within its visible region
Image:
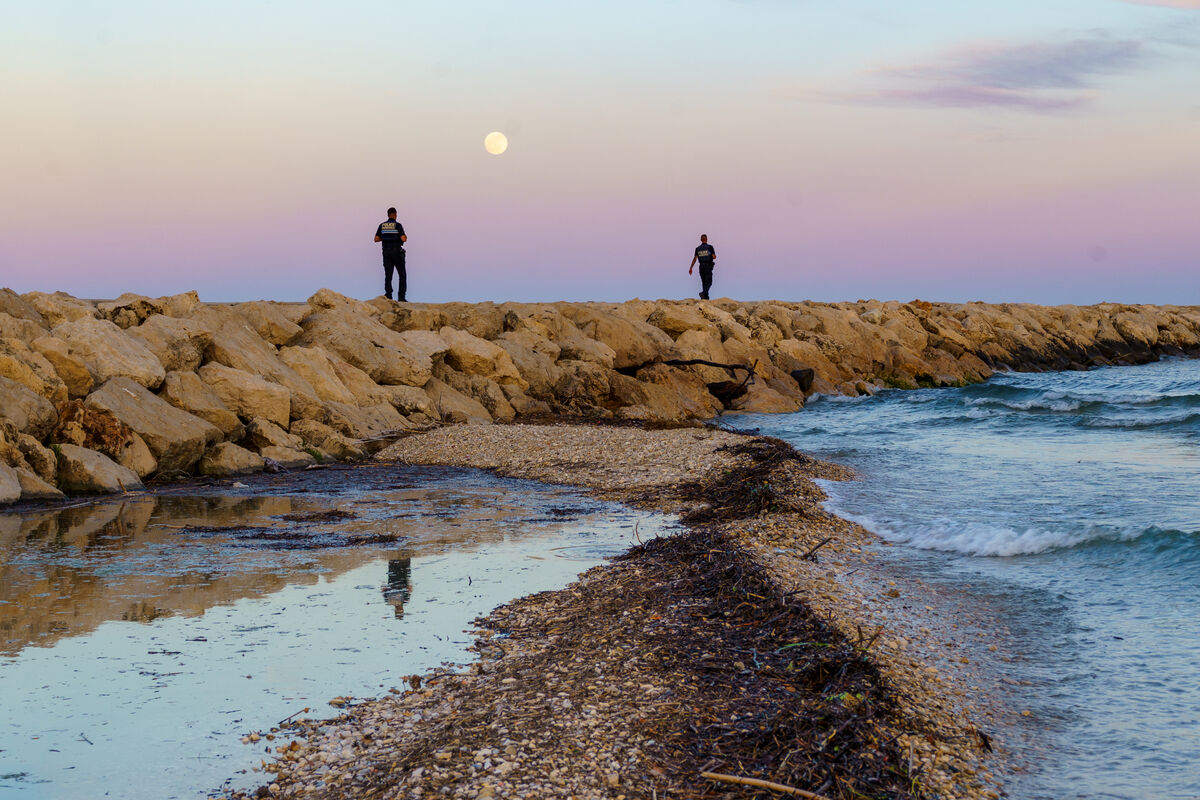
[391, 213]
[704, 238]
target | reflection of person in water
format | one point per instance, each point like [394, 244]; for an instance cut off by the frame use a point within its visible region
[399, 584]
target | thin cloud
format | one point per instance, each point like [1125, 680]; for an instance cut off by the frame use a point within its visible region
[1036, 77]
[1192, 4]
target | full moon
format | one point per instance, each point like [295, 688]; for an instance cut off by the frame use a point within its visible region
[495, 143]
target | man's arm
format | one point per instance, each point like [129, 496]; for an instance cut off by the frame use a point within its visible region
[693, 264]
[403, 238]
[377, 237]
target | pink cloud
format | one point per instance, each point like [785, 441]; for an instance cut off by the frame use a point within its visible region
[1038, 77]
[1193, 4]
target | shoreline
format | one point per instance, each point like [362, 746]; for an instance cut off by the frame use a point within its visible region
[751, 512]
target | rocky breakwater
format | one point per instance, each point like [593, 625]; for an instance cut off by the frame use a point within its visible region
[100, 396]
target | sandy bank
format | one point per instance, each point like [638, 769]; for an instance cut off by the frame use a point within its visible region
[723, 649]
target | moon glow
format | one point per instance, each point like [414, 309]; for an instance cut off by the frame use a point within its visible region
[495, 143]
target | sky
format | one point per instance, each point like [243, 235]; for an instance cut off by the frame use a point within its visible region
[1000, 150]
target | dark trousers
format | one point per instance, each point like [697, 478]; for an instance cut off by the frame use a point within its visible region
[705, 280]
[394, 260]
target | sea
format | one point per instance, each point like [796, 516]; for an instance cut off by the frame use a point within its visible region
[1066, 507]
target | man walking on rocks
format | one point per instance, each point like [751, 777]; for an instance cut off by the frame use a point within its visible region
[391, 233]
[707, 257]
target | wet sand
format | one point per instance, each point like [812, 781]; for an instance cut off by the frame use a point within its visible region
[760, 644]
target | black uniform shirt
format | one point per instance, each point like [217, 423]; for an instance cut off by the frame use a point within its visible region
[706, 254]
[389, 233]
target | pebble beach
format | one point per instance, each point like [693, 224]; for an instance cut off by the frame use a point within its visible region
[745, 653]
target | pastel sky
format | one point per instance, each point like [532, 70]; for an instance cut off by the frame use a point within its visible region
[1000, 150]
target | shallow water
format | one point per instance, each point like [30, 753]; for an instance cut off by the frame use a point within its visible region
[1066, 508]
[139, 639]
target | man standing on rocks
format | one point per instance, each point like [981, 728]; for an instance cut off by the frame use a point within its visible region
[707, 256]
[391, 233]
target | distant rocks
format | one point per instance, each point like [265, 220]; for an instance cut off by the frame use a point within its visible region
[96, 397]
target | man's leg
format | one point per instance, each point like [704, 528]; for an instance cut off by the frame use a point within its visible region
[401, 279]
[705, 282]
[387, 276]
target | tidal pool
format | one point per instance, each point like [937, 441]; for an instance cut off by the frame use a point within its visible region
[141, 637]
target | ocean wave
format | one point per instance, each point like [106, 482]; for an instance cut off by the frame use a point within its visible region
[1000, 541]
[1033, 404]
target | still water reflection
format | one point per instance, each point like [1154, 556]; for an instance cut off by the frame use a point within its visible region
[139, 638]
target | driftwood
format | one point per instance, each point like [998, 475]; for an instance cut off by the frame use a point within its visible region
[684, 362]
[761, 784]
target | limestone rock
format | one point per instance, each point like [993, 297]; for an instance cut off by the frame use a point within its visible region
[60, 307]
[315, 366]
[10, 485]
[248, 395]
[176, 438]
[109, 353]
[92, 428]
[288, 458]
[186, 391]
[235, 344]
[684, 388]
[179, 344]
[581, 348]
[18, 307]
[427, 343]
[632, 343]
[382, 353]
[329, 300]
[71, 370]
[23, 329]
[675, 318]
[338, 446]
[31, 369]
[34, 489]
[367, 421]
[137, 457]
[29, 412]
[474, 356]
[454, 406]
[225, 459]
[130, 309]
[83, 471]
[762, 399]
[278, 323]
[539, 369]
[41, 460]
[262, 433]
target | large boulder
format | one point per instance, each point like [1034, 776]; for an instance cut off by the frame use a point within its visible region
[289, 458]
[60, 307]
[474, 356]
[329, 441]
[248, 395]
[366, 422]
[278, 323]
[632, 343]
[83, 471]
[71, 370]
[315, 366]
[186, 391]
[386, 356]
[427, 343]
[454, 406]
[10, 485]
[16, 306]
[235, 344]
[262, 433]
[35, 489]
[109, 353]
[30, 413]
[176, 438]
[130, 309]
[41, 460]
[100, 430]
[675, 318]
[179, 344]
[226, 459]
[534, 356]
[23, 329]
[31, 369]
